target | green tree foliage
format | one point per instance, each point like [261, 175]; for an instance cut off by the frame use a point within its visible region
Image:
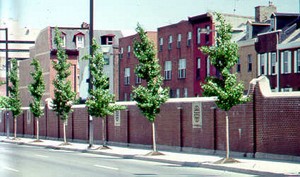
[37, 89]
[63, 94]
[100, 102]
[223, 56]
[15, 100]
[149, 98]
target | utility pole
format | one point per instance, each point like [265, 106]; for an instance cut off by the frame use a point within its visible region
[91, 31]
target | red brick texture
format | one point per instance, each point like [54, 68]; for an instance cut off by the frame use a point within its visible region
[265, 124]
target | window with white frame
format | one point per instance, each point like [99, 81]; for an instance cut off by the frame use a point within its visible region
[168, 70]
[207, 34]
[170, 42]
[138, 80]
[127, 76]
[249, 62]
[128, 51]
[80, 41]
[273, 63]
[161, 43]
[185, 92]
[178, 40]
[262, 62]
[297, 61]
[198, 35]
[238, 65]
[198, 68]
[182, 68]
[121, 52]
[286, 62]
[63, 38]
[207, 67]
[189, 39]
[177, 93]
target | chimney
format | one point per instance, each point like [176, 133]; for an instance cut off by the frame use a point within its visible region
[263, 13]
[85, 25]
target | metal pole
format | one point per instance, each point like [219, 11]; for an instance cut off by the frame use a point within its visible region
[6, 70]
[278, 62]
[91, 132]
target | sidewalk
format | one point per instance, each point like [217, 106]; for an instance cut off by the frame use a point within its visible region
[246, 165]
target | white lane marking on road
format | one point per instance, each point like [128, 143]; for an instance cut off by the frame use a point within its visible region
[106, 167]
[43, 156]
[11, 169]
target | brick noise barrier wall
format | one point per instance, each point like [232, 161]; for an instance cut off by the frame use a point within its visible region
[269, 123]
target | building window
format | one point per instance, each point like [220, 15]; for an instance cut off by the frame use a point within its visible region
[182, 69]
[138, 80]
[198, 68]
[107, 40]
[198, 35]
[179, 41]
[161, 43]
[238, 65]
[189, 39]
[127, 76]
[262, 64]
[168, 70]
[170, 42]
[286, 62]
[207, 67]
[128, 51]
[106, 60]
[207, 34]
[297, 61]
[185, 92]
[249, 63]
[273, 63]
[63, 38]
[121, 52]
[79, 41]
[177, 93]
[125, 96]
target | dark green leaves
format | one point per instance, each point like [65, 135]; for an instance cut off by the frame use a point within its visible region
[100, 102]
[36, 89]
[14, 101]
[63, 94]
[223, 56]
[149, 98]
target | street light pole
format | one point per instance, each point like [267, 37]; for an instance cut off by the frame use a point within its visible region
[91, 28]
[6, 75]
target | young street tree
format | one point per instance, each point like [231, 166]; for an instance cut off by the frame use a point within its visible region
[149, 98]
[63, 94]
[37, 89]
[14, 99]
[223, 56]
[100, 102]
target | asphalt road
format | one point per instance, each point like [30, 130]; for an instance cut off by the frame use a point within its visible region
[28, 161]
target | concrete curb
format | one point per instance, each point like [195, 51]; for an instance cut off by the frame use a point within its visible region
[145, 158]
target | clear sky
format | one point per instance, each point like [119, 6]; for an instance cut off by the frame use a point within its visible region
[124, 14]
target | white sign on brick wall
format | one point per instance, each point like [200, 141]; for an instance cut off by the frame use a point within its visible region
[197, 115]
[117, 118]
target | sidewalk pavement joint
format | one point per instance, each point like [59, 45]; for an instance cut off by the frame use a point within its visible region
[249, 166]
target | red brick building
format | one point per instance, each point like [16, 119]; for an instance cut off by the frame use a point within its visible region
[128, 61]
[175, 53]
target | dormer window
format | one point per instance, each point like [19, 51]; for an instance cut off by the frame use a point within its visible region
[63, 38]
[107, 39]
[79, 40]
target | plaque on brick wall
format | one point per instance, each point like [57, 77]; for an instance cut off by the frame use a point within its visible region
[117, 118]
[197, 115]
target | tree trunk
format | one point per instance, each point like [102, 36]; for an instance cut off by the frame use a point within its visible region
[37, 129]
[65, 134]
[103, 132]
[227, 136]
[15, 125]
[154, 137]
